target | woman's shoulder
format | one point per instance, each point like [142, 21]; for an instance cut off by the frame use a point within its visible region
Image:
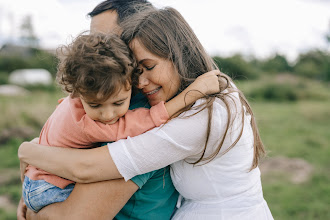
[219, 104]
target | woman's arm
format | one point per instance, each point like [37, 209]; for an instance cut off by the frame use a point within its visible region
[78, 165]
[102, 200]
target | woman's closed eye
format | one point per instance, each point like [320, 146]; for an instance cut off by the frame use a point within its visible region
[149, 67]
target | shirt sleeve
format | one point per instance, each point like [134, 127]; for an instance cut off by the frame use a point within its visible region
[176, 140]
[140, 180]
[133, 123]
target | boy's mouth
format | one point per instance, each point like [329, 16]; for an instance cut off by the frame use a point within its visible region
[112, 121]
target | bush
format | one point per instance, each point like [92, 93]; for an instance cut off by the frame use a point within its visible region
[39, 87]
[3, 78]
[314, 64]
[38, 59]
[308, 69]
[11, 63]
[275, 92]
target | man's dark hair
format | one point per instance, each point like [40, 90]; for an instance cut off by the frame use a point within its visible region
[124, 8]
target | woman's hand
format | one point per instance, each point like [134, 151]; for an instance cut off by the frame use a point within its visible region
[23, 165]
[78, 165]
[21, 210]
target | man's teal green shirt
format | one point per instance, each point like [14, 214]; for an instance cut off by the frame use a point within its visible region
[156, 197]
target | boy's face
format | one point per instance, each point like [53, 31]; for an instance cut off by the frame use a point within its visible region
[111, 110]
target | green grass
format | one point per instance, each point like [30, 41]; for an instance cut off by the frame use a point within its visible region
[24, 112]
[298, 129]
[30, 110]
[8, 154]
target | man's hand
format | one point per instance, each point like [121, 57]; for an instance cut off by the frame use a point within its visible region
[22, 166]
[31, 215]
[21, 210]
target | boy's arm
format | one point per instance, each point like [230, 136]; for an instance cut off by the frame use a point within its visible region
[133, 123]
[205, 84]
[140, 120]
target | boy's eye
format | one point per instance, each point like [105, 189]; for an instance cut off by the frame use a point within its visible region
[94, 106]
[118, 103]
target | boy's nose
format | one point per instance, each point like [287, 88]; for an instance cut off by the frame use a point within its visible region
[107, 115]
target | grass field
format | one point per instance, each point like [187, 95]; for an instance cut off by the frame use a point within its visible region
[296, 135]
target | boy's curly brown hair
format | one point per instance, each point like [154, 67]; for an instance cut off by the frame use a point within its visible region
[95, 66]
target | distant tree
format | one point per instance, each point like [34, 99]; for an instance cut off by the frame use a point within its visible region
[327, 35]
[276, 64]
[236, 67]
[27, 35]
[314, 64]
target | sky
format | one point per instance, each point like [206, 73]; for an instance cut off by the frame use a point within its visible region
[257, 28]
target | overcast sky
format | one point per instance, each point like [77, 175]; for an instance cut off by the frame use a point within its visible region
[251, 27]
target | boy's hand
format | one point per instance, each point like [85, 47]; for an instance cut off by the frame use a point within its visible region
[208, 83]
[205, 84]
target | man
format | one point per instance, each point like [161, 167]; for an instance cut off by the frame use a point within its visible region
[146, 196]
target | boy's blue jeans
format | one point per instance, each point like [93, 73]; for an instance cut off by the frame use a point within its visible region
[38, 193]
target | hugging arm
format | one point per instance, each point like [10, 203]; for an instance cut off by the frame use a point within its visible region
[71, 163]
[159, 147]
[101, 200]
[93, 165]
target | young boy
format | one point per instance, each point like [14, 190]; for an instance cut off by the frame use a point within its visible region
[96, 70]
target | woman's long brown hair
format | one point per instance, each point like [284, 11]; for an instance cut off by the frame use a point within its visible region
[166, 34]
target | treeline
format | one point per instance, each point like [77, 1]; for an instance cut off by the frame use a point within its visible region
[31, 59]
[314, 64]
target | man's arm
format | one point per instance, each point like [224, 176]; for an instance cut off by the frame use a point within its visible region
[101, 200]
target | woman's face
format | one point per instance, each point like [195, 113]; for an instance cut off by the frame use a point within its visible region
[159, 80]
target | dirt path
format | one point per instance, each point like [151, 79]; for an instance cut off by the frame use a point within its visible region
[296, 170]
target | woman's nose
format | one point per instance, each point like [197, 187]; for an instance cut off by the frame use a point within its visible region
[143, 81]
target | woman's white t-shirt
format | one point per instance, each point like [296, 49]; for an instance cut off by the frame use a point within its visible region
[223, 188]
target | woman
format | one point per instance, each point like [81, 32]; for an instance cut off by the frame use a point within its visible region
[213, 146]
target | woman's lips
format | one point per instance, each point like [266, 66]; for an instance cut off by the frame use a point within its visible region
[153, 91]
